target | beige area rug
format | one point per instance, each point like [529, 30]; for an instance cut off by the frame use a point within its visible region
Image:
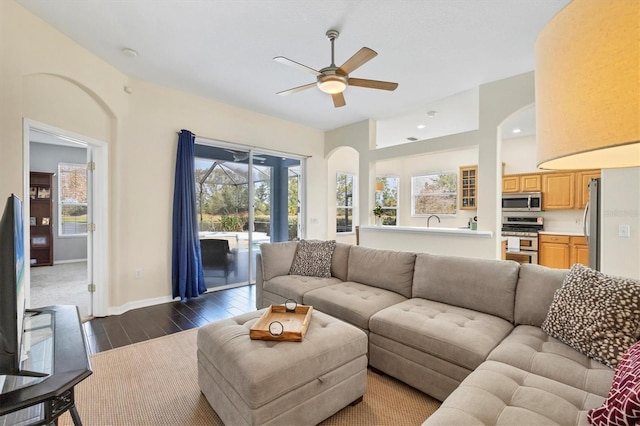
[155, 383]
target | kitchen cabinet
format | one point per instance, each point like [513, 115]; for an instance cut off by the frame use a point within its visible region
[554, 251]
[558, 191]
[562, 251]
[579, 250]
[521, 183]
[469, 188]
[582, 186]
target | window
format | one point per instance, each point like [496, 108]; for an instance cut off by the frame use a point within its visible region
[344, 202]
[435, 193]
[387, 198]
[72, 199]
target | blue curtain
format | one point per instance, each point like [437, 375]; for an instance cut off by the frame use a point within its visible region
[186, 262]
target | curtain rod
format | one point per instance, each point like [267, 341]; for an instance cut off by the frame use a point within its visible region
[251, 147]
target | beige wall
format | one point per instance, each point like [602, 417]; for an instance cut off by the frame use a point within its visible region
[406, 167]
[498, 100]
[50, 79]
[620, 206]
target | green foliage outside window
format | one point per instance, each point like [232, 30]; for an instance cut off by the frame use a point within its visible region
[435, 193]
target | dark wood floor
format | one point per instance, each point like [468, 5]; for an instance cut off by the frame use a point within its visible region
[147, 323]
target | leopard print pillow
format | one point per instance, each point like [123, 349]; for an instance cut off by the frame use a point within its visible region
[596, 314]
[313, 258]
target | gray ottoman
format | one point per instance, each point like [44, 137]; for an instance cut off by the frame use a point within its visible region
[251, 382]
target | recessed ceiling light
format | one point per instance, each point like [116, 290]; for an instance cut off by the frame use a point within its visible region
[432, 114]
[421, 126]
[129, 52]
[516, 130]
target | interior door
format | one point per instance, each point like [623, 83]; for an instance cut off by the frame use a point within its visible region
[91, 165]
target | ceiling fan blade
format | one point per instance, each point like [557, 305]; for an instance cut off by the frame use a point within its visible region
[338, 100]
[297, 89]
[361, 57]
[295, 64]
[373, 84]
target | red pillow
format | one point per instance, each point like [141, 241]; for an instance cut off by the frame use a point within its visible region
[622, 406]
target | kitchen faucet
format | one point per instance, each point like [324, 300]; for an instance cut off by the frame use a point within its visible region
[429, 219]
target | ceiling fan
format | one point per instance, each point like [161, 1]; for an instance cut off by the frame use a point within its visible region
[244, 155]
[334, 80]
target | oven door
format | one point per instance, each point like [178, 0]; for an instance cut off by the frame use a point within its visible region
[523, 256]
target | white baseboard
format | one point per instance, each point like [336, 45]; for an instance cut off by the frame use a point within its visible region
[118, 310]
[59, 262]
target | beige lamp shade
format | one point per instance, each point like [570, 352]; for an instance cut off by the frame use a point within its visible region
[379, 186]
[587, 81]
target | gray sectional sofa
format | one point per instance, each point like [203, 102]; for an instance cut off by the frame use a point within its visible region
[465, 331]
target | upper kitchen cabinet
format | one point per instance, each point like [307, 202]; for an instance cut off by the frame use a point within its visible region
[582, 189]
[469, 188]
[558, 191]
[522, 183]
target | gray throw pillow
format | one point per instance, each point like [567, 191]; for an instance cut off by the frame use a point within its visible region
[596, 314]
[313, 258]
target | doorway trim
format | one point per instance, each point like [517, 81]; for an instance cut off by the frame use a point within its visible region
[99, 250]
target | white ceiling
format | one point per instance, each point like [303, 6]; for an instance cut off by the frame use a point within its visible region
[224, 49]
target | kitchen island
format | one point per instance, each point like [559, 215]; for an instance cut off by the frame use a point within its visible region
[436, 240]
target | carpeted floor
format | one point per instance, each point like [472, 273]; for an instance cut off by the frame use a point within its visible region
[61, 284]
[155, 383]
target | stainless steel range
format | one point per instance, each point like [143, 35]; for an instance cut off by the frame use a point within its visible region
[522, 237]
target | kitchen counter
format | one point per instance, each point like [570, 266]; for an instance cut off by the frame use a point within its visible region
[454, 232]
[435, 240]
[571, 234]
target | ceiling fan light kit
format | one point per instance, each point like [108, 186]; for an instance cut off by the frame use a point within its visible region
[334, 80]
[332, 84]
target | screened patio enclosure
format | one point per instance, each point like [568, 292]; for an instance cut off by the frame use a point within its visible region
[240, 206]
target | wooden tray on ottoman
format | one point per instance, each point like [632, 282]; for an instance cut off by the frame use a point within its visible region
[295, 323]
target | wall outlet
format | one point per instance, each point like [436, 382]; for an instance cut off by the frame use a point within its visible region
[624, 231]
[138, 273]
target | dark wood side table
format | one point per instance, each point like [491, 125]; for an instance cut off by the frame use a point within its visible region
[57, 346]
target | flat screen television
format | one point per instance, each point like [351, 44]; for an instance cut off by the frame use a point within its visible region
[12, 292]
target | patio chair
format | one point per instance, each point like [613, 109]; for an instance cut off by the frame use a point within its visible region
[217, 256]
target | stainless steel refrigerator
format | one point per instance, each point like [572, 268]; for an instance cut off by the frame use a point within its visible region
[592, 222]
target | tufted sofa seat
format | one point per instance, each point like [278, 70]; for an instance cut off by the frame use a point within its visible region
[458, 337]
[500, 394]
[465, 331]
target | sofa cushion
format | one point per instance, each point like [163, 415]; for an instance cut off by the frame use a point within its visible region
[622, 406]
[313, 258]
[351, 302]
[461, 336]
[295, 286]
[487, 286]
[596, 314]
[391, 270]
[340, 261]
[534, 293]
[277, 258]
[500, 394]
[531, 349]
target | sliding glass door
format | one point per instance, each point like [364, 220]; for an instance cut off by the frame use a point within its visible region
[244, 199]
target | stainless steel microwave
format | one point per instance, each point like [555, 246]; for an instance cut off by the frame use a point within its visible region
[522, 202]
